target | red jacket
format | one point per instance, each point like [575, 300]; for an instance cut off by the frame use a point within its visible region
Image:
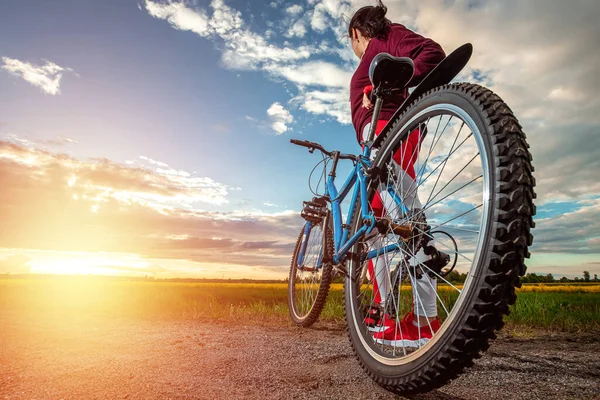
[401, 42]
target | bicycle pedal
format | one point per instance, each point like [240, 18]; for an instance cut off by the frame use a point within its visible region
[315, 210]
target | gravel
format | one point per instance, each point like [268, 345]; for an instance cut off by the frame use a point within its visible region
[95, 357]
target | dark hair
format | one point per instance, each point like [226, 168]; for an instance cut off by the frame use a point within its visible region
[371, 21]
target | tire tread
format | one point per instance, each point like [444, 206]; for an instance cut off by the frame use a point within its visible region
[323, 290]
[514, 210]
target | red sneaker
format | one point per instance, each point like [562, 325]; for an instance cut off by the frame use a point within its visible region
[373, 316]
[406, 333]
[374, 321]
[383, 324]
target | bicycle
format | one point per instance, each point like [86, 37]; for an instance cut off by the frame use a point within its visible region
[479, 209]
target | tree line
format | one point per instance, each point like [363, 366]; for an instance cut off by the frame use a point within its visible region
[457, 277]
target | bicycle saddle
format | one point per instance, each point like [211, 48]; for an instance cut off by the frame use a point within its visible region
[391, 72]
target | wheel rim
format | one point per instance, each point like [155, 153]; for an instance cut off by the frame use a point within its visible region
[307, 280]
[452, 164]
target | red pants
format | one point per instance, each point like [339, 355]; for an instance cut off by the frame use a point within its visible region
[406, 157]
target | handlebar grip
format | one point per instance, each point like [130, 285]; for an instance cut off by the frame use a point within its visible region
[304, 143]
[311, 145]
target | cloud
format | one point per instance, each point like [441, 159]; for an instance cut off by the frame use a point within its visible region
[48, 202]
[47, 77]
[313, 73]
[280, 118]
[20, 140]
[102, 179]
[333, 102]
[294, 10]
[323, 87]
[39, 206]
[244, 49]
[573, 232]
[58, 141]
[181, 17]
[298, 29]
[532, 67]
[543, 64]
[319, 20]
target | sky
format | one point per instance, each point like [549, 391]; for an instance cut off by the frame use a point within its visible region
[152, 137]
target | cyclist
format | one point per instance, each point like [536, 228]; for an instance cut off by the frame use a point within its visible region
[372, 33]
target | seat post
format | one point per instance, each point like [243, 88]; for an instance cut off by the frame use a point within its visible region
[375, 118]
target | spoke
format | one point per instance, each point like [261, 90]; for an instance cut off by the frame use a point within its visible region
[387, 272]
[307, 283]
[372, 291]
[461, 229]
[454, 177]
[450, 154]
[397, 304]
[434, 142]
[458, 216]
[450, 220]
[413, 282]
[414, 153]
[450, 194]
[415, 293]
[402, 174]
[445, 162]
[397, 325]
[390, 299]
[432, 147]
[435, 273]
[446, 246]
[400, 184]
[438, 297]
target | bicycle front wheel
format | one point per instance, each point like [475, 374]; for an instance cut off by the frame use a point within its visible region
[310, 275]
[453, 198]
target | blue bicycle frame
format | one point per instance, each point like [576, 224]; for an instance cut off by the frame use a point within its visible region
[343, 243]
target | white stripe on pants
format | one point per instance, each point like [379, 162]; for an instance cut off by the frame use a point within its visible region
[424, 297]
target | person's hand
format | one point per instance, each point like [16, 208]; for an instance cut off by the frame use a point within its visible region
[366, 102]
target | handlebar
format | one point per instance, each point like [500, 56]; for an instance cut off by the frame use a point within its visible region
[312, 146]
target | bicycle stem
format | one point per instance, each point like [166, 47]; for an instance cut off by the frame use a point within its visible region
[335, 156]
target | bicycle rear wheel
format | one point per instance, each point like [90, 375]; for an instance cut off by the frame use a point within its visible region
[309, 281]
[472, 179]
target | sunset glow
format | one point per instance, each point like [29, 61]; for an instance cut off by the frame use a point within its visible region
[165, 151]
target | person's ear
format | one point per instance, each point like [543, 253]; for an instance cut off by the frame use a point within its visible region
[355, 34]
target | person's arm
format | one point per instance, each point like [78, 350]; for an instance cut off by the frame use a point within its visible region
[424, 52]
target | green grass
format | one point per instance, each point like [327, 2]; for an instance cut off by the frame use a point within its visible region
[566, 312]
[557, 310]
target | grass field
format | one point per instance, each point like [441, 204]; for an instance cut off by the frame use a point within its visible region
[552, 307]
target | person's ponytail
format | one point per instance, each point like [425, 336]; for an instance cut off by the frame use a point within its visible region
[371, 21]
